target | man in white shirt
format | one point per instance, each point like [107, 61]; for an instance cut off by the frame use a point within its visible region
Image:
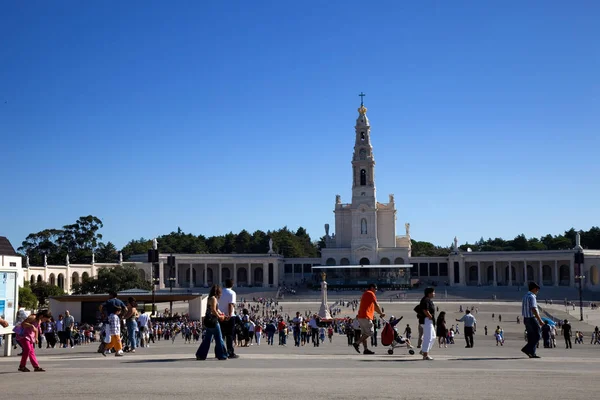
[227, 307]
[314, 330]
[144, 323]
[296, 325]
[470, 327]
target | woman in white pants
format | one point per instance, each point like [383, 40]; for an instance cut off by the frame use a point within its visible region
[426, 320]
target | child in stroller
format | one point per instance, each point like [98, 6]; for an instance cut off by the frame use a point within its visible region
[391, 337]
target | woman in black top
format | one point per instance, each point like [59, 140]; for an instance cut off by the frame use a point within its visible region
[441, 329]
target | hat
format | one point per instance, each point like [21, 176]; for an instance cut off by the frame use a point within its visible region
[533, 285]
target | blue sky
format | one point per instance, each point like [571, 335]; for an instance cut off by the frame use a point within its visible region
[220, 116]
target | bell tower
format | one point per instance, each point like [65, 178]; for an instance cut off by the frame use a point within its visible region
[364, 242]
[363, 161]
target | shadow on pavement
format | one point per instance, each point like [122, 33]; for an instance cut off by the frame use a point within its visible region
[163, 360]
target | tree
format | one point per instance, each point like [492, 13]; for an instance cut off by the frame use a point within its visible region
[27, 298]
[107, 253]
[243, 241]
[36, 245]
[44, 290]
[140, 246]
[117, 278]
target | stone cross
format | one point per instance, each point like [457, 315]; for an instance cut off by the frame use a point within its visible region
[154, 244]
[361, 95]
[120, 258]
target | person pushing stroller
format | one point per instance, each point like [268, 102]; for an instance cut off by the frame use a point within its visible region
[391, 337]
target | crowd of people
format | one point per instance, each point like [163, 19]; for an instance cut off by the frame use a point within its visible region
[231, 324]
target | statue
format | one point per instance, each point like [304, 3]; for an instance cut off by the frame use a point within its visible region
[271, 246]
[324, 313]
[338, 199]
[391, 198]
[407, 227]
[45, 260]
[121, 257]
[93, 258]
[27, 261]
[67, 259]
[327, 230]
[455, 244]
[154, 244]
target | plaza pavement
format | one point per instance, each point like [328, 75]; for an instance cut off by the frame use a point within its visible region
[333, 371]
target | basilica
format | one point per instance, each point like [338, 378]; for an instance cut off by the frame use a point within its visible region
[365, 233]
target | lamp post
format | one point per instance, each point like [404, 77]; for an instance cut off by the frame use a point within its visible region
[580, 278]
[171, 280]
[153, 260]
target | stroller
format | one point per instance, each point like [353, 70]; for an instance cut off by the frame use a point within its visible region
[391, 337]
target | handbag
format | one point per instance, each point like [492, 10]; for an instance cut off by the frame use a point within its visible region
[210, 320]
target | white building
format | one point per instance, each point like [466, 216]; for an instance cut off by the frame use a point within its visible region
[365, 233]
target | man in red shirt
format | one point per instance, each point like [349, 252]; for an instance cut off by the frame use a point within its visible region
[282, 334]
[366, 314]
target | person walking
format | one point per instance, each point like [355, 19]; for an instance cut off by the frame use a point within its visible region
[213, 327]
[441, 330]
[227, 303]
[426, 313]
[131, 324]
[532, 320]
[470, 327]
[566, 332]
[366, 314]
[27, 336]
[68, 325]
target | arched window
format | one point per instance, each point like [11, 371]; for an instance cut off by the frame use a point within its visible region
[32, 280]
[85, 276]
[362, 137]
[74, 278]
[363, 177]
[344, 261]
[330, 261]
[52, 280]
[399, 261]
[363, 226]
[385, 261]
[61, 281]
[364, 261]
[362, 154]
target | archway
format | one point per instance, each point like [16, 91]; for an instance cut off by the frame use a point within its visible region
[258, 276]
[61, 281]
[191, 270]
[490, 274]
[547, 275]
[343, 261]
[564, 276]
[364, 261]
[39, 279]
[514, 275]
[385, 261]
[531, 274]
[242, 276]
[594, 275]
[208, 276]
[330, 261]
[32, 280]
[226, 272]
[399, 261]
[74, 278]
[52, 280]
[142, 274]
[473, 274]
[85, 276]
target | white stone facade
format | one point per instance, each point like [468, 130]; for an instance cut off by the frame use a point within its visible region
[365, 229]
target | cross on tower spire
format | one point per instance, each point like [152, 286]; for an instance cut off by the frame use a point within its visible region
[362, 95]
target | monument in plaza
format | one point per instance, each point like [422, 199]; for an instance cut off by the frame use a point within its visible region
[324, 313]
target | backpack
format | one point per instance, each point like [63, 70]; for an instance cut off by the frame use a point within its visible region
[418, 310]
[387, 335]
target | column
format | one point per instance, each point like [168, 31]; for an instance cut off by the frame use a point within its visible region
[161, 275]
[265, 281]
[572, 272]
[191, 282]
[205, 274]
[541, 274]
[220, 274]
[495, 275]
[461, 272]
[451, 271]
[525, 277]
[555, 272]
[510, 277]
[234, 275]
[479, 273]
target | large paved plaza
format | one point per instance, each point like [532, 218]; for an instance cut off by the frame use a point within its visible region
[332, 371]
